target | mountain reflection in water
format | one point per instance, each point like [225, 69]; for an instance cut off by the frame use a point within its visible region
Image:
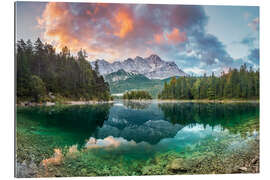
[148, 122]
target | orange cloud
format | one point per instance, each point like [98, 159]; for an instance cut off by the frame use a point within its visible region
[63, 28]
[59, 23]
[57, 30]
[124, 22]
[109, 31]
[176, 37]
[158, 38]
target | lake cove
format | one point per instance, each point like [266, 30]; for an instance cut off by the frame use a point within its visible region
[137, 138]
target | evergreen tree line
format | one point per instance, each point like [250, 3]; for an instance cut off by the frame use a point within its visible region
[236, 84]
[137, 95]
[41, 72]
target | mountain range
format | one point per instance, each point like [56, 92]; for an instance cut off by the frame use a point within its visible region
[152, 67]
[122, 81]
[147, 74]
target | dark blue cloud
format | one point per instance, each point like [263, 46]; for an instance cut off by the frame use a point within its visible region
[190, 18]
[203, 50]
[210, 49]
[207, 47]
[254, 55]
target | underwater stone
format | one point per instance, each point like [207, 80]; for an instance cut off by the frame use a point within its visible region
[178, 165]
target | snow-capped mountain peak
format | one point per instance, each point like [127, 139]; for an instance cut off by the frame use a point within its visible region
[153, 67]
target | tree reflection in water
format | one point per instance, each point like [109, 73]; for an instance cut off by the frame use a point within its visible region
[137, 105]
[237, 118]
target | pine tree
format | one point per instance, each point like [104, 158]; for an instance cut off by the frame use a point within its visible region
[241, 83]
[61, 74]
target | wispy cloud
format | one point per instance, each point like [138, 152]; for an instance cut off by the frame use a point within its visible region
[195, 70]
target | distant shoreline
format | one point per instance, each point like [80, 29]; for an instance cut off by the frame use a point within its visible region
[209, 101]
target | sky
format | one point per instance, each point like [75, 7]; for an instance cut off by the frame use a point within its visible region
[199, 39]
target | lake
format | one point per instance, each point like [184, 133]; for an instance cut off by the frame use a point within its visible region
[140, 138]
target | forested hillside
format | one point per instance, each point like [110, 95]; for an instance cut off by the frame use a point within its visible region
[41, 71]
[236, 84]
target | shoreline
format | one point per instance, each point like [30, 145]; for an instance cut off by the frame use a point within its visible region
[88, 102]
[29, 104]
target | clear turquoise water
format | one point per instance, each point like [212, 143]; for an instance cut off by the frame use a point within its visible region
[142, 130]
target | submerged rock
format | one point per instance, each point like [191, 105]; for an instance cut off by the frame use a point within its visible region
[49, 103]
[242, 169]
[178, 165]
[147, 170]
[26, 170]
[255, 160]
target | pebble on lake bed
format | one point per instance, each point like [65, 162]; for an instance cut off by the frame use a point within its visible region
[178, 165]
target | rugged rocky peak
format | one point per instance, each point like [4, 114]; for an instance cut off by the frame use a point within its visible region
[129, 60]
[153, 67]
[155, 61]
[154, 57]
[138, 58]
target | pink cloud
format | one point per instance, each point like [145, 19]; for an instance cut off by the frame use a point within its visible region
[254, 24]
